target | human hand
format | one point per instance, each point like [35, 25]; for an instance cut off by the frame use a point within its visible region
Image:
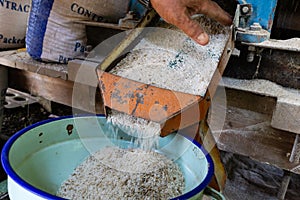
[179, 12]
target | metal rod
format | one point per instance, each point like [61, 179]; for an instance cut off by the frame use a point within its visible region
[127, 41]
[294, 150]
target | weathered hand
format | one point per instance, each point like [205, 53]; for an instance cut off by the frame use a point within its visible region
[179, 12]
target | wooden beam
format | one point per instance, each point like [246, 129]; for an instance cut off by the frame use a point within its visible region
[250, 134]
[209, 143]
[56, 89]
[20, 59]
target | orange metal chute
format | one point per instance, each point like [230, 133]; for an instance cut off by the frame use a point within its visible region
[143, 100]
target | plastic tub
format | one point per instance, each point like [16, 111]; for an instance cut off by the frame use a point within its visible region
[40, 157]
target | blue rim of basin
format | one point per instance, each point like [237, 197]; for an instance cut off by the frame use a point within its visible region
[12, 174]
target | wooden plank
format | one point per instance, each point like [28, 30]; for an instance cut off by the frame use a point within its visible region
[57, 90]
[83, 71]
[251, 101]
[20, 59]
[209, 143]
[249, 133]
[247, 128]
[50, 88]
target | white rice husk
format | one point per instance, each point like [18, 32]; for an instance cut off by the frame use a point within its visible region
[145, 133]
[168, 59]
[114, 173]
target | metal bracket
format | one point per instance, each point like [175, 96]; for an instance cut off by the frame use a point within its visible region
[292, 44]
[117, 51]
[244, 13]
[254, 20]
[252, 34]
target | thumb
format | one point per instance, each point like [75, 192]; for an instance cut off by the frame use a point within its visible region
[193, 29]
[202, 38]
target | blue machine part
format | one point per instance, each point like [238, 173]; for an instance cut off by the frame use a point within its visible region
[263, 12]
[250, 37]
[137, 8]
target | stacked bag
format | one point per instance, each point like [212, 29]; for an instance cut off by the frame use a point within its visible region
[53, 32]
[13, 23]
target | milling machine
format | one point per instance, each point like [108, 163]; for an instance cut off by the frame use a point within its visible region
[259, 27]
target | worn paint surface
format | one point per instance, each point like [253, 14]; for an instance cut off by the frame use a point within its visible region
[253, 36]
[263, 13]
[143, 100]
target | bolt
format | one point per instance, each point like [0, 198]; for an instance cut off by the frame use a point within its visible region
[251, 48]
[255, 27]
[245, 9]
[251, 54]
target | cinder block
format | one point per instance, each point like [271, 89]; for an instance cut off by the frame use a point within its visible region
[286, 115]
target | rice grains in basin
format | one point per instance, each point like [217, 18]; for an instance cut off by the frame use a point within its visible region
[115, 173]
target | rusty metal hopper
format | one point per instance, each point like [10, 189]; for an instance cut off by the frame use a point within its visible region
[174, 110]
[150, 102]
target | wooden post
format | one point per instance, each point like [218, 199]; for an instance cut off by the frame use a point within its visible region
[201, 133]
[208, 142]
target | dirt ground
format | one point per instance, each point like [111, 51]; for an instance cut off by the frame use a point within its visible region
[15, 119]
[247, 179]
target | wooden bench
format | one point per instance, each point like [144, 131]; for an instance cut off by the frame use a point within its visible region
[51, 81]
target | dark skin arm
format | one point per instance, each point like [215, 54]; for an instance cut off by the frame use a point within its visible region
[179, 12]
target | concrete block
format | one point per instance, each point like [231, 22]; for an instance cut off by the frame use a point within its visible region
[286, 115]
